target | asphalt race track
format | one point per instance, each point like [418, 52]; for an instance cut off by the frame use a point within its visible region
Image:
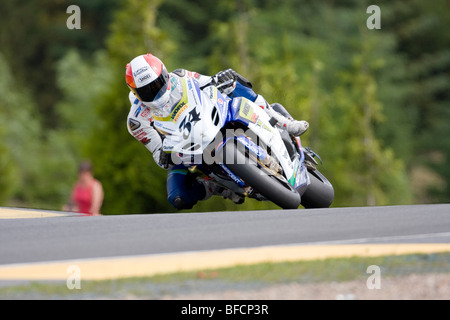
[66, 237]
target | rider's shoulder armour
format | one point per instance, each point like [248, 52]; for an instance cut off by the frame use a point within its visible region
[180, 72]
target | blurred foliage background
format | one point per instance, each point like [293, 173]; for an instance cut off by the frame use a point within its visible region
[377, 100]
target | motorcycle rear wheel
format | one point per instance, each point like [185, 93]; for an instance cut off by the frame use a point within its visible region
[318, 194]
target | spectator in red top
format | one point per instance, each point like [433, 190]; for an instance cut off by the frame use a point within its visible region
[87, 194]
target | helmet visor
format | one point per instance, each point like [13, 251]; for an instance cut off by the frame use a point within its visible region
[155, 89]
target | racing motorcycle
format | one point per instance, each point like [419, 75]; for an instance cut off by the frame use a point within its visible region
[237, 144]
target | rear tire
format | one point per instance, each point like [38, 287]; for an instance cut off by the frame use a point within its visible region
[318, 194]
[279, 192]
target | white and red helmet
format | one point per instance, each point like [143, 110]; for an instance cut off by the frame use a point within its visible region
[148, 79]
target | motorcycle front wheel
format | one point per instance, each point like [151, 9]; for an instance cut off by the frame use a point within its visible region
[277, 190]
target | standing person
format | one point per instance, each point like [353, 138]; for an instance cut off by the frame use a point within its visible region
[87, 194]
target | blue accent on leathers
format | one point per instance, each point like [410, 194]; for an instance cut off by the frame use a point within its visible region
[243, 91]
[183, 190]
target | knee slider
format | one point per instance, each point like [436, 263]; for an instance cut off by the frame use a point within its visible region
[180, 204]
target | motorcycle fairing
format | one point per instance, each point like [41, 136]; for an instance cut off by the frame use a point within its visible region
[195, 121]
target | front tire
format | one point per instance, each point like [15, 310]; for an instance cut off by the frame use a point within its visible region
[271, 187]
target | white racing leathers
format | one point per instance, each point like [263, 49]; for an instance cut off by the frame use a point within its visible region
[140, 117]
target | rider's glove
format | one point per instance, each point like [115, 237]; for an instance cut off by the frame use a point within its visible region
[164, 160]
[225, 81]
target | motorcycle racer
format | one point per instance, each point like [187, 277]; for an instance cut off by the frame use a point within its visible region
[154, 92]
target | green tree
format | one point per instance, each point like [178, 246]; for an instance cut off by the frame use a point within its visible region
[421, 29]
[21, 137]
[133, 183]
[7, 167]
[377, 100]
[35, 36]
[330, 76]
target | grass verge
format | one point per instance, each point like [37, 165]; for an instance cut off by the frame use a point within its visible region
[236, 278]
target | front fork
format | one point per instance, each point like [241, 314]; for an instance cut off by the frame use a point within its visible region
[310, 160]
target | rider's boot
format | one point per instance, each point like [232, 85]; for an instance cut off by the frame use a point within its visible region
[282, 117]
[228, 194]
[212, 189]
[295, 127]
